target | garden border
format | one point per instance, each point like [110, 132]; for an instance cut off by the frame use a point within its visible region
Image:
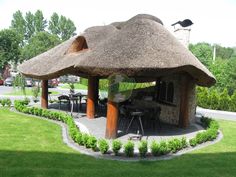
[110, 156]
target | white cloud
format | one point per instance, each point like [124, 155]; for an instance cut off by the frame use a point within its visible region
[213, 19]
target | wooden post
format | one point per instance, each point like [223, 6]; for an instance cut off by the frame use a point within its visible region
[112, 120]
[44, 96]
[92, 96]
[184, 101]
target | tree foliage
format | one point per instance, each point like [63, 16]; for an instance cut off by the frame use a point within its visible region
[18, 23]
[40, 22]
[39, 43]
[61, 26]
[9, 47]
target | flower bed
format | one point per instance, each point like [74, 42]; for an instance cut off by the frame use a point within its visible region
[102, 145]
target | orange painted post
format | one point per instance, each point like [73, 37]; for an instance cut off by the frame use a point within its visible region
[184, 102]
[44, 96]
[92, 97]
[112, 120]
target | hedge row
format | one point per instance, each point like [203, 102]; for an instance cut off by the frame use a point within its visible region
[102, 145]
[214, 99]
[5, 102]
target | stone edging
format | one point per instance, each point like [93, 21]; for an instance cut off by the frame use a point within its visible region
[109, 156]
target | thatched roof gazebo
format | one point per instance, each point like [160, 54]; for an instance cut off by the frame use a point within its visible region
[140, 47]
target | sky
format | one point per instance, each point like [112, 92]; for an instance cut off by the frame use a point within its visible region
[214, 20]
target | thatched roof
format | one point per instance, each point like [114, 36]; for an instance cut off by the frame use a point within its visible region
[139, 47]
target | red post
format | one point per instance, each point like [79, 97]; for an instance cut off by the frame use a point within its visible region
[44, 96]
[184, 102]
[112, 120]
[92, 97]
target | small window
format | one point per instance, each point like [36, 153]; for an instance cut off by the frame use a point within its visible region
[170, 92]
[163, 91]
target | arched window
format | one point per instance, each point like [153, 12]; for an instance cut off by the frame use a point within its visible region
[170, 92]
[163, 91]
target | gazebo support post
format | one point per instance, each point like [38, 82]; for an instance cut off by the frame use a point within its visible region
[44, 96]
[93, 83]
[112, 120]
[184, 103]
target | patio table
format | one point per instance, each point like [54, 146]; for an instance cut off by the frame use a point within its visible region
[74, 98]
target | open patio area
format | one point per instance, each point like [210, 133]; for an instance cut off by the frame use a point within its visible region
[97, 127]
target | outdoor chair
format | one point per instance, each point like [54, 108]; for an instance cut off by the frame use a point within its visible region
[123, 117]
[155, 118]
[64, 99]
[102, 104]
[136, 115]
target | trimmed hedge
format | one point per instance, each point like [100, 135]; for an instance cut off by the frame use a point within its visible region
[157, 148]
[217, 100]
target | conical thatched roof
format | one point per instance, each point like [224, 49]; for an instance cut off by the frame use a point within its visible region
[139, 47]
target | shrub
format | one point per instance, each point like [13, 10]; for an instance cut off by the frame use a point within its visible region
[3, 102]
[193, 142]
[129, 149]
[78, 138]
[174, 145]
[92, 143]
[155, 148]
[103, 146]
[26, 101]
[85, 138]
[201, 137]
[8, 102]
[143, 148]
[116, 146]
[224, 101]
[184, 142]
[164, 149]
[211, 134]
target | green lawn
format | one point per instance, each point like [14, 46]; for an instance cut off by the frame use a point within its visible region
[77, 86]
[33, 147]
[19, 92]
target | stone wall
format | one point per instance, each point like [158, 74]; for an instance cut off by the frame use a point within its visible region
[170, 112]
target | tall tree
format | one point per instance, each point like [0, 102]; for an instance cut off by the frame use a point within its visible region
[39, 21]
[61, 26]
[9, 47]
[54, 24]
[18, 23]
[39, 43]
[203, 51]
[30, 26]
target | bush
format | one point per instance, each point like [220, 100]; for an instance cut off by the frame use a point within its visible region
[184, 142]
[78, 138]
[211, 134]
[92, 143]
[103, 146]
[155, 148]
[5, 102]
[143, 148]
[8, 102]
[129, 149]
[116, 146]
[164, 149]
[193, 142]
[85, 138]
[175, 145]
[201, 137]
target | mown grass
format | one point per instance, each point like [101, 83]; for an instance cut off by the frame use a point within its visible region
[28, 91]
[34, 147]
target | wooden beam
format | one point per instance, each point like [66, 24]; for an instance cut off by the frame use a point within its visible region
[44, 96]
[184, 101]
[112, 120]
[92, 97]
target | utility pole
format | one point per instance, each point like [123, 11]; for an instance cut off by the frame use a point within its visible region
[214, 53]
